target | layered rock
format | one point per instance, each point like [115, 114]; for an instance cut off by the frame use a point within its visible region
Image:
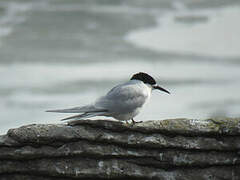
[99, 149]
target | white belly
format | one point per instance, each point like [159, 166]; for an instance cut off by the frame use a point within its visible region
[127, 116]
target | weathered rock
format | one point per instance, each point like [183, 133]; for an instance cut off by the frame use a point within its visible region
[98, 149]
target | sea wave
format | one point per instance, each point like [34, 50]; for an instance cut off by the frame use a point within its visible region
[47, 75]
[13, 14]
[204, 32]
[99, 8]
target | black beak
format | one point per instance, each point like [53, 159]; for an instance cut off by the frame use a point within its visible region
[160, 88]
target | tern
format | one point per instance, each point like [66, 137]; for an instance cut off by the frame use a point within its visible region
[123, 102]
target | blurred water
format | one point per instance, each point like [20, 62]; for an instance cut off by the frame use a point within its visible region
[57, 54]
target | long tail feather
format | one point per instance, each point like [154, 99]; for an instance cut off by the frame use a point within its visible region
[83, 109]
[84, 115]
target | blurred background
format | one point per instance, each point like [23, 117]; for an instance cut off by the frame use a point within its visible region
[60, 54]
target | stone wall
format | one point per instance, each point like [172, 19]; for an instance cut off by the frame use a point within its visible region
[173, 149]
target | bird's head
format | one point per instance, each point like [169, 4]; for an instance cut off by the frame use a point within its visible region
[147, 79]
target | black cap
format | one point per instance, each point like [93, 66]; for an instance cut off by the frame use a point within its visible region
[144, 77]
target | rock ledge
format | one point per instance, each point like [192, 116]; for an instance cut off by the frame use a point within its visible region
[99, 149]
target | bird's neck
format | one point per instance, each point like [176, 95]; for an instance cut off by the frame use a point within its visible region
[149, 90]
[149, 87]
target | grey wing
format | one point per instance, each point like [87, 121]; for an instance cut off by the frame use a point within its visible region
[123, 98]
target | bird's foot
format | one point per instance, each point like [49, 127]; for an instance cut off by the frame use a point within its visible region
[134, 122]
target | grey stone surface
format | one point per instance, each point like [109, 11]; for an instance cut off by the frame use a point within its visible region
[173, 149]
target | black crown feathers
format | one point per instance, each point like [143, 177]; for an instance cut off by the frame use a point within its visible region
[144, 77]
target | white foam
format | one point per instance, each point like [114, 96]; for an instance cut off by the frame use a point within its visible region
[97, 8]
[219, 36]
[42, 75]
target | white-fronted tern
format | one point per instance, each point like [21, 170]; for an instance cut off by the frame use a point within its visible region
[123, 102]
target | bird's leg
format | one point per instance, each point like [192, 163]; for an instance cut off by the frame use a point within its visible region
[134, 122]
